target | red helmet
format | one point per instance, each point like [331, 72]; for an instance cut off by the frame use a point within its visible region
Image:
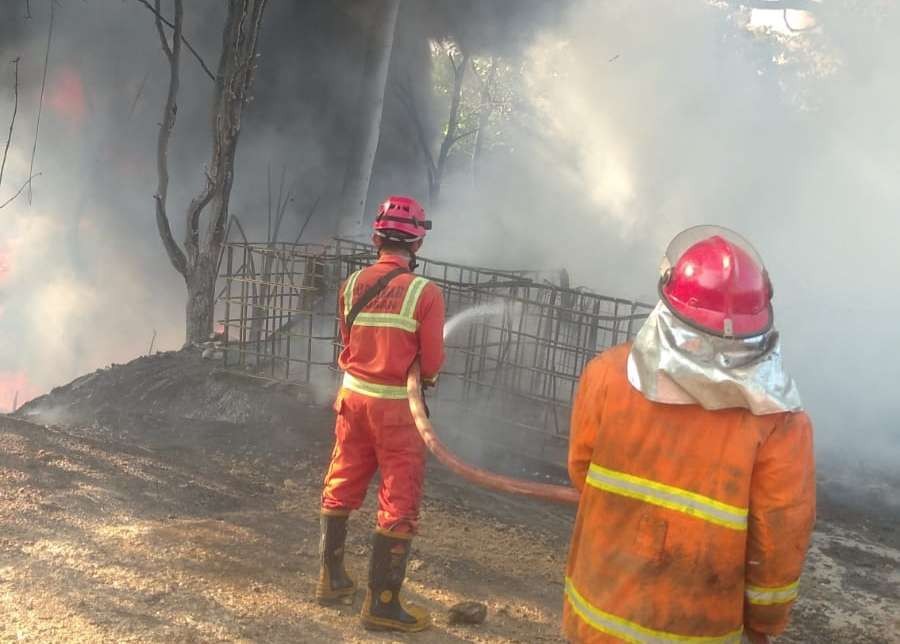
[713, 279]
[402, 219]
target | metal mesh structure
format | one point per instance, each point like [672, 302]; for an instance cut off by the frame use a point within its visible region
[277, 308]
[512, 366]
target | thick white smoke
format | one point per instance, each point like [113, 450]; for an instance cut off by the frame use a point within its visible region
[662, 115]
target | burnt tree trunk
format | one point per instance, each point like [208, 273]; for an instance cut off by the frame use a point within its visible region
[364, 144]
[201, 285]
[233, 81]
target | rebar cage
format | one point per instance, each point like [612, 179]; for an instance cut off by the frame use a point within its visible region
[512, 366]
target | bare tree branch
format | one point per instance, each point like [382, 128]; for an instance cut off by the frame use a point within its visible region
[37, 126]
[158, 23]
[269, 201]
[12, 121]
[138, 94]
[173, 54]
[222, 251]
[160, 18]
[194, 211]
[237, 222]
[15, 196]
[280, 207]
[309, 215]
[459, 137]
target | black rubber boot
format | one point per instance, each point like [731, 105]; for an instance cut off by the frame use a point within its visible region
[383, 610]
[335, 586]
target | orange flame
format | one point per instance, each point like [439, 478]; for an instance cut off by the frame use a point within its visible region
[15, 388]
[67, 96]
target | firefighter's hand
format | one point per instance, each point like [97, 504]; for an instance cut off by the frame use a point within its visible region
[428, 383]
[755, 637]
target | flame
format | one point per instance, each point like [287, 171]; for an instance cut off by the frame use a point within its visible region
[67, 96]
[15, 388]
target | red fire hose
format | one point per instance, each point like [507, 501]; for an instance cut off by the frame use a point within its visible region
[543, 491]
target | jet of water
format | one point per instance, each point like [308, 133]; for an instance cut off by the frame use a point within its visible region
[476, 312]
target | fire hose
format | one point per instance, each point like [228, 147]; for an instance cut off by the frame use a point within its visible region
[484, 478]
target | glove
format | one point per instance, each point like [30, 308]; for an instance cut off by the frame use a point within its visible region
[428, 383]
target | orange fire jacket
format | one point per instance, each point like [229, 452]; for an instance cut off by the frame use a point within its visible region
[691, 524]
[405, 321]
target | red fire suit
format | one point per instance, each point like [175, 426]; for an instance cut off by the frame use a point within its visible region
[374, 428]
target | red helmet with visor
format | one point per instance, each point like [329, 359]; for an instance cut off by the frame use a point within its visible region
[714, 280]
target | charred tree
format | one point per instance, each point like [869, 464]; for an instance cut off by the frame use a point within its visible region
[234, 78]
[364, 144]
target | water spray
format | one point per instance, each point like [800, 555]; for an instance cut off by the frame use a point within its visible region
[479, 311]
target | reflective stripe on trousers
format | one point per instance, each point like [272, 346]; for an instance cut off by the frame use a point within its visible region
[372, 389]
[632, 631]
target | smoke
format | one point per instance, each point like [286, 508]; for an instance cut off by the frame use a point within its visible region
[85, 283]
[637, 120]
[84, 280]
[658, 116]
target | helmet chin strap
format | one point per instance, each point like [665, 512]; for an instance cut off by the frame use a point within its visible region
[413, 264]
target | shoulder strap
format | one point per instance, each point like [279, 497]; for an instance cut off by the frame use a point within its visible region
[370, 294]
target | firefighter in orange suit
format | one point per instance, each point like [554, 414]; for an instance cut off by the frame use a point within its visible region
[389, 318]
[695, 464]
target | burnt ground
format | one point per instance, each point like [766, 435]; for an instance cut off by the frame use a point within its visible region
[165, 501]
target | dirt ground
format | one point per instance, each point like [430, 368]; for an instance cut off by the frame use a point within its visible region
[128, 521]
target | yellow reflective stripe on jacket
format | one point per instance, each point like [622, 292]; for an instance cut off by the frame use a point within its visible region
[667, 496]
[391, 320]
[408, 310]
[348, 292]
[631, 631]
[373, 390]
[404, 320]
[762, 596]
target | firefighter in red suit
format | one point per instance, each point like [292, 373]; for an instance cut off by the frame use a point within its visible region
[389, 318]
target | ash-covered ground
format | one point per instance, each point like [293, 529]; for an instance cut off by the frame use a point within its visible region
[167, 501]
